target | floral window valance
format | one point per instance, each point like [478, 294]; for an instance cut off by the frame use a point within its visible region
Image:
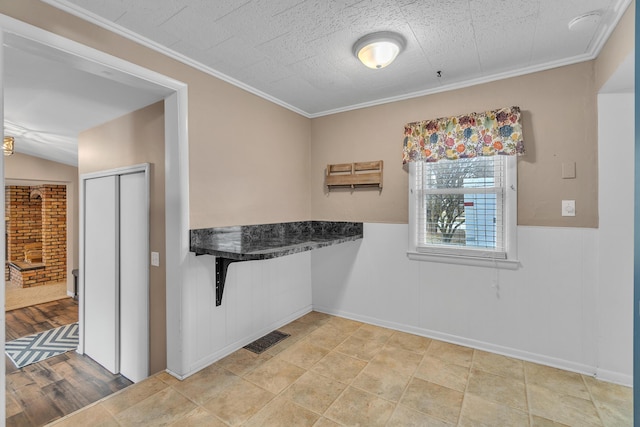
[471, 135]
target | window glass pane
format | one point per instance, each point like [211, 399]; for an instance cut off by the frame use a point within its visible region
[462, 203]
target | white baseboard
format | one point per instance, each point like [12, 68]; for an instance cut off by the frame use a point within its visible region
[567, 365]
[614, 377]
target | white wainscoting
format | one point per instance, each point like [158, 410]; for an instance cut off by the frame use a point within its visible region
[546, 311]
[259, 296]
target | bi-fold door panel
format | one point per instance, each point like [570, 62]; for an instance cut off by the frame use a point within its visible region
[101, 271]
[116, 314]
[134, 317]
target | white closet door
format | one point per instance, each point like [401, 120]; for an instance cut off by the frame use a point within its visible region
[101, 268]
[134, 305]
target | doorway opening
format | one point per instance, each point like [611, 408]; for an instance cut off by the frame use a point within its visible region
[36, 244]
[174, 94]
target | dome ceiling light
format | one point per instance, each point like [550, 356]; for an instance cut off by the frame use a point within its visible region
[377, 50]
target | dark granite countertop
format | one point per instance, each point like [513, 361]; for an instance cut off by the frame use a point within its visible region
[264, 241]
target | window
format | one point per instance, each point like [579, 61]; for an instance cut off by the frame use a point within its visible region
[463, 210]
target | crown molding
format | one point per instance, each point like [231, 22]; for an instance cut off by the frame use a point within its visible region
[597, 43]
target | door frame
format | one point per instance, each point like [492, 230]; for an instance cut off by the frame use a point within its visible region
[144, 168]
[176, 174]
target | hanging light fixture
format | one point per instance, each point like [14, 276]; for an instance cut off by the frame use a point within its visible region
[377, 50]
[7, 145]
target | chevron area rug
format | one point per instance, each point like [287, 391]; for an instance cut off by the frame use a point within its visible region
[35, 348]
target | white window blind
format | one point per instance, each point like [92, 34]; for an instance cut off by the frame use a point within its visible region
[461, 207]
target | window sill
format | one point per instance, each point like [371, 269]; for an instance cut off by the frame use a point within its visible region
[507, 264]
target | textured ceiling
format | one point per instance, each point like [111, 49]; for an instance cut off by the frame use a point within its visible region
[298, 52]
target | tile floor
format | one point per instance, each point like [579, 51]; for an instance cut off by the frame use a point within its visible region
[337, 372]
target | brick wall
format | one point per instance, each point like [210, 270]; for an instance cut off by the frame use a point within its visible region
[54, 232]
[38, 214]
[25, 220]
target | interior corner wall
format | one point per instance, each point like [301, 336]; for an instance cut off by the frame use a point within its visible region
[136, 138]
[29, 170]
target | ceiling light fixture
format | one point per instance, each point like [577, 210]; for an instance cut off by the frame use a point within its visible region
[586, 21]
[7, 145]
[377, 50]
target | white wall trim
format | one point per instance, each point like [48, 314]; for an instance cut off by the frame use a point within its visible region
[614, 377]
[176, 166]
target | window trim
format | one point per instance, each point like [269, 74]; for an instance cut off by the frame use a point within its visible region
[452, 255]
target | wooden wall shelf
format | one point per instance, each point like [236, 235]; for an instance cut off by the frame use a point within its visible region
[361, 174]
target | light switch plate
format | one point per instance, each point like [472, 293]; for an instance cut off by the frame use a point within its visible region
[568, 208]
[568, 170]
[155, 259]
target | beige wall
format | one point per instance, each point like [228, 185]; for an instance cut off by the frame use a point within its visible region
[249, 158]
[21, 169]
[559, 125]
[133, 139]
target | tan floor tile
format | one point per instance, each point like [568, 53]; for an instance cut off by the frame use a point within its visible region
[537, 421]
[388, 374]
[397, 360]
[409, 342]
[199, 417]
[433, 399]
[162, 408]
[479, 412]
[450, 353]
[499, 365]
[344, 325]
[133, 394]
[373, 333]
[327, 336]
[339, 367]
[614, 402]
[94, 416]
[356, 407]
[315, 317]
[282, 412]
[445, 374]
[239, 402]
[563, 382]
[206, 384]
[385, 384]
[562, 408]
[275, 375]
[298, 328]
[360, 348]
[242, 361]
[304, 354]
[167, 378]
[405, 417]
[313, 391]
[502, 390]
[281, 346]
[326, 422]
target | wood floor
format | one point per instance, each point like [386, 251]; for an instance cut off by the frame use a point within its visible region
[45, 391]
